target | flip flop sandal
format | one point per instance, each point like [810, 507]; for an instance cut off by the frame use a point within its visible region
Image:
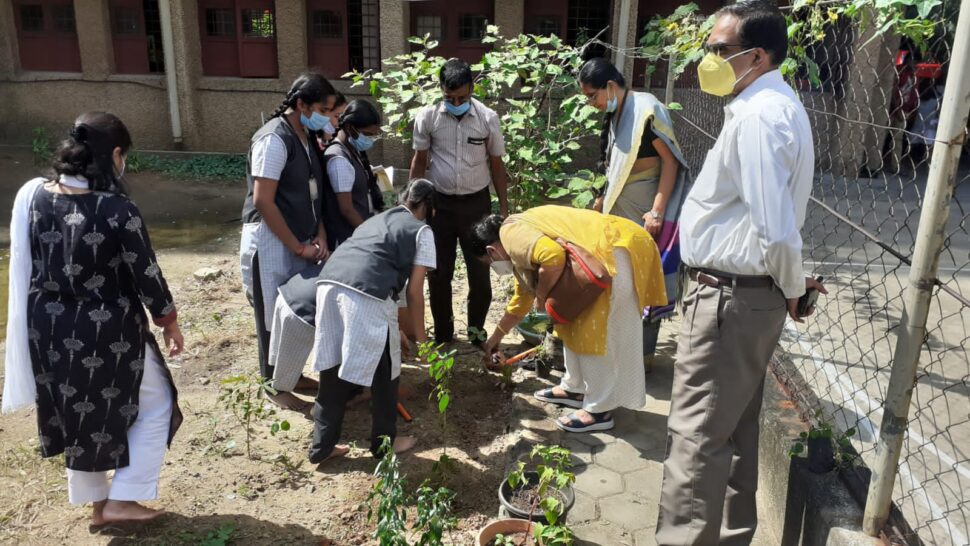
[601, 421]
[572, 400]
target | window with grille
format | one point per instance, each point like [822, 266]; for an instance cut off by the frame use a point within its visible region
[136, 36]
[364, 29]
[343, 35]
[471, 27]
[153, 31]
[238, 38]
[126, 21]
[586, 19]
[258, 23]
[220, 22]
[32, 18]
[47, 35]
[63, 18]
[543, 26]
[430, 24]
[327, 25]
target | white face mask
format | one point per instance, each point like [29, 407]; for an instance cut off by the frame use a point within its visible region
[501, 268]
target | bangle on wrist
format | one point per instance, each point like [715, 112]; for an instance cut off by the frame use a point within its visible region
[500, 329]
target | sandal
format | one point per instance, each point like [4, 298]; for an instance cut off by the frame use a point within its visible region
[601, 421]
[572, 399]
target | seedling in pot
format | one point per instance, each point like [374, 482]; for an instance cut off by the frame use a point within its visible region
[546, 494]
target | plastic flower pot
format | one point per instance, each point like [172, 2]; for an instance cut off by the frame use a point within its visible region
[821, 455]
[503, 527]
[505, 493]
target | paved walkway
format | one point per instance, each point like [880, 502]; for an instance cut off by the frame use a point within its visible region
[618, 472]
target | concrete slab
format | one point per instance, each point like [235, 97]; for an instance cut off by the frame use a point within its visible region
[645, 482]
[584, 510]
[600, 533]
[626, 510]
[620, 456]
[598, 482]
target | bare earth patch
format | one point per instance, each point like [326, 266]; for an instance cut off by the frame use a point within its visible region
[214, 492]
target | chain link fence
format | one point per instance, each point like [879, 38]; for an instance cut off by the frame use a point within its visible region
[874, 110]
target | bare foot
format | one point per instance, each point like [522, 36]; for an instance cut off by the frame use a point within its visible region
[404, 443]
[307, 385]
[338, 450]
[289, 401]
[114, 511]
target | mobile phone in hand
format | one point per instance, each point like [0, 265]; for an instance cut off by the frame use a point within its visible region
[808, 299]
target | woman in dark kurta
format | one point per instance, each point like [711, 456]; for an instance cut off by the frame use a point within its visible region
[104, 396]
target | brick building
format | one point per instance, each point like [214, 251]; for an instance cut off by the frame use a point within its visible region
[200, 74]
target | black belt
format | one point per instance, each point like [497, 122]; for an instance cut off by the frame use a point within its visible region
[716, 279]
[462, 196]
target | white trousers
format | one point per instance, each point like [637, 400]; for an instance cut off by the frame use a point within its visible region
[147, 438]
[614, 379]
[290, 344]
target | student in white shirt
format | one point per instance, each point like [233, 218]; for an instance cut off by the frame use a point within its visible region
[357, 340]
[739, 237]
[283, 229]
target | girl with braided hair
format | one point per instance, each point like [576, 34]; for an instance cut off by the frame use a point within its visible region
[283, 231]
[350, 198]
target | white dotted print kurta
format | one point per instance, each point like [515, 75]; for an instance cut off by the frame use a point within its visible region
[615, 379]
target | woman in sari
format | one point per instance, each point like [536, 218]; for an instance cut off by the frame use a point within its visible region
[602, 344]
[646, 174]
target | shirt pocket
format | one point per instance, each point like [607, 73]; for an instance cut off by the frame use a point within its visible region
[474, 146]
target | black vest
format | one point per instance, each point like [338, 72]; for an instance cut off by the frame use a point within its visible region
[338, 229]
[293, 192]
[300, 293]
[377, 259]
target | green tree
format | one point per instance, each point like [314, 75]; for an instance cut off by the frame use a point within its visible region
[531, 82]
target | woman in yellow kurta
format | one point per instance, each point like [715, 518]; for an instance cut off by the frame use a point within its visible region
[603, 346]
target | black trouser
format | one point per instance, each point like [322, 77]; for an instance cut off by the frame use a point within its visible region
[328, 410]
[262, 334]
[452, 222]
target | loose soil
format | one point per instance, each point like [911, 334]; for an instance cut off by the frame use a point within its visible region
[210, 487]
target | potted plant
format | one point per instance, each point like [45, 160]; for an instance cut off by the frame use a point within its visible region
[545, 492]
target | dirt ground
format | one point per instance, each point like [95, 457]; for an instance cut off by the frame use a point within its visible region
[217, 495]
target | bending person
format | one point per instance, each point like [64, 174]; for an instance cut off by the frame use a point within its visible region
[357, 332]
[78, 342]
[603, 344]
[647, 176]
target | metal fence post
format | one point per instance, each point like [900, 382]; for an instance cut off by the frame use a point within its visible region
[929, 242]
[671, 80]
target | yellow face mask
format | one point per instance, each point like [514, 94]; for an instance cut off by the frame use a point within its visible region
[716, 75]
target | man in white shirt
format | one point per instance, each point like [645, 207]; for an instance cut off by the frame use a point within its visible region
[739, 237]
[458, 146]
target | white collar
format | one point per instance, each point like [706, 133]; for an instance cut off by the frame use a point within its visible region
[768, 80]
[71, 181]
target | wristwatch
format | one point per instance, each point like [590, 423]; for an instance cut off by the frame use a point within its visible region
[655, 215]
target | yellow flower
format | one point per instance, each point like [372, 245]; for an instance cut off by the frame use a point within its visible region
[672, 27]
[833, 16]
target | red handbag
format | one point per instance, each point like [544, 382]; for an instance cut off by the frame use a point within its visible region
[582, 281]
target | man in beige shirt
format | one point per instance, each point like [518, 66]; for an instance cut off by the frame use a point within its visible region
[458, 146]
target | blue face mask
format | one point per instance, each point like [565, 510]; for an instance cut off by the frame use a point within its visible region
[362, 142]
[458, 110]
[611, 104]
[317, 122]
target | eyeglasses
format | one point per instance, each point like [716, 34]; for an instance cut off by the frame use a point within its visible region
[718, 49]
